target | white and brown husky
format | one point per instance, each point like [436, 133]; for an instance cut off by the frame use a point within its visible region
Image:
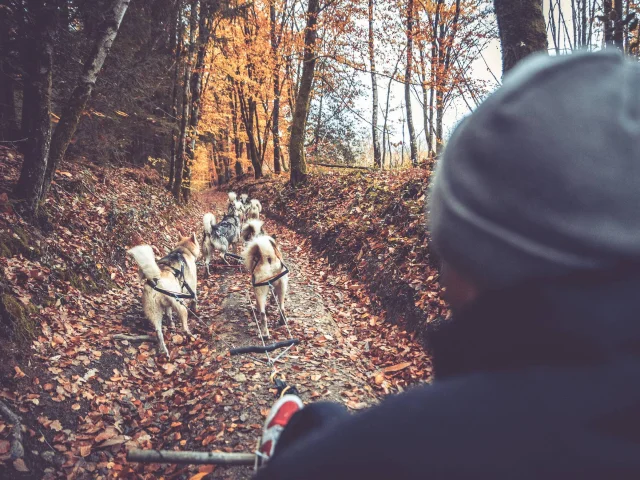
[255, 207]
[175, 273]
[251, 229]
[263, 259]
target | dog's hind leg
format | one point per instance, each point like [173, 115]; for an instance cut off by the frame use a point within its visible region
[183, 315]
[169, 312]
[154, 311]
[281, 293]
[157, 323]
[261, 300]
[207, 260]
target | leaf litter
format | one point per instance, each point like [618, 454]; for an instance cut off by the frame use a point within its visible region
[86, 398]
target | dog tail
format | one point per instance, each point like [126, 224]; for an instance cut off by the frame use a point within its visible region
[232, 197]
[208, 220]
[260, 247]
[146, 260]
[250, 229]
[256, 203]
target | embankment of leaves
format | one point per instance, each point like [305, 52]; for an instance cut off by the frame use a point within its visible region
[373, 226]
[52, 269]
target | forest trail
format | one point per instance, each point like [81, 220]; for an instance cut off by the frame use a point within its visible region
[90, 397]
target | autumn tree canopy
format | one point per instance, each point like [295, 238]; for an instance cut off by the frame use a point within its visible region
[207, 90]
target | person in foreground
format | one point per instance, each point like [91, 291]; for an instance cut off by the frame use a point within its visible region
[535, 212]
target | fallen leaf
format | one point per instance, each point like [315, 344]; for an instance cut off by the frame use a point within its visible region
[398, 367]
[115, 441]
[19, 465]
[56, 425]
[5, 446]
[199, 476]
[107, 434]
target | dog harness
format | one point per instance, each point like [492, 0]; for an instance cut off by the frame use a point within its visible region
[269, 281]
[179, 274]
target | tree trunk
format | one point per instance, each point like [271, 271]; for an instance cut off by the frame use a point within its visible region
[298, 165]
[439, 121]
[181, 150]
[426, 113]
[177, 48]
[236, 140]
[377, 159]
[407, 85]
[607, 23]
[36, 112]
[253, 144]
[618, 26]
[8, 121]
[522, 30]
[181, 153]
[194, 90]
[275, 126]
[78, 101]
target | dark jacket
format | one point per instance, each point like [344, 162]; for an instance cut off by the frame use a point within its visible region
[536, 382]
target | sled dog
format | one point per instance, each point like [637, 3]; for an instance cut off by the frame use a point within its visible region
[176, 272]
[263, 259]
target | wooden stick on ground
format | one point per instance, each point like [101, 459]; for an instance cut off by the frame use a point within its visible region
[17, 450]
[193, 458]
[135, 338]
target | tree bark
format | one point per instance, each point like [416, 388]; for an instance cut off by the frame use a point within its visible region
[297, 162]
[181, 150]
[618, 26]
[427, 116]
[36, 113]
[407, 85]
[8, 119]
[194, 92]
[522, 30]
[177, 45]
[181, 154]
[275, 126]
[607, 24]
[78, 101]
[377, 159]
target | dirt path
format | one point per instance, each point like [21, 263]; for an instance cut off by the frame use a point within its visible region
[326, 365]
[90, 397]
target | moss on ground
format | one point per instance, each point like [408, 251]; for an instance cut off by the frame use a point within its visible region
[18, 319]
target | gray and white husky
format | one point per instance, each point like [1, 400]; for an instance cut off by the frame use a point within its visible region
[225, 234]
[235, 207]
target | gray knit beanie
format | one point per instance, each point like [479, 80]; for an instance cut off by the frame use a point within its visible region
[543, 179]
